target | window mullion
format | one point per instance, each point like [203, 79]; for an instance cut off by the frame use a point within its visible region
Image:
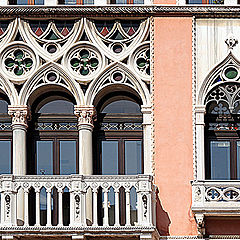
[233, 159]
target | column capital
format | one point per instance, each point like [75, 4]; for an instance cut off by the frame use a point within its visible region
[86, 115]
[19, 114]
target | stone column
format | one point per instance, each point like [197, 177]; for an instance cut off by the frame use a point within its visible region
[147, 140]
[200, 155]
[19, 128]
[85, 116]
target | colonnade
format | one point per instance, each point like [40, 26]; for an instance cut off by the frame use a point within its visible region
[86, 115]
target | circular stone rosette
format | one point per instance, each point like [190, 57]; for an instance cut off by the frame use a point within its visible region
[18, 62]
[140, 60]
[84, 61]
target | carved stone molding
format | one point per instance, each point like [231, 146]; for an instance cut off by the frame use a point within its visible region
[200, 224]
[231, 41]
[19, 115]
[86, 115]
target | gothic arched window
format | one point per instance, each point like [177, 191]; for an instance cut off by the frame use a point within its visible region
[222, 133]
[118, 136]
[53, 135]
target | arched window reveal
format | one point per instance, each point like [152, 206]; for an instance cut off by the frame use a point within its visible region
[222, 121]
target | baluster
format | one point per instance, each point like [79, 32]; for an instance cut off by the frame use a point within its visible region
[105, 207]
[72, 204]
[117, 207]
[49, 207]
[128, 207]
[95, 191]
[26, 223]
[60, 206]
[37, 207]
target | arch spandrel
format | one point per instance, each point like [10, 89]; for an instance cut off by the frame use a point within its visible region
[7, 88]
[117, 77]
[51, 74]
[217, 76]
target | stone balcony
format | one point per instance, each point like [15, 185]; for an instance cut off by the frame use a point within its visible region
[216, 197]
[84, 202]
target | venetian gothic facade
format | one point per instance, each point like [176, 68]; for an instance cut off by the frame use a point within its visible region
[119, 119]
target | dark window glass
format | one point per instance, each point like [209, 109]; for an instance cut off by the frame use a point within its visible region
[220, 160]
[44, 157]
[3, 106]
[39, 2]
[109, 157]
[122, 106]
[22, 2]
[5, 159]
[138, 2]
[68, 157]
[133, 157]
[57, 106]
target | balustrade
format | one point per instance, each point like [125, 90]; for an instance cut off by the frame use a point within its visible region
[44, 201]
[216, 197]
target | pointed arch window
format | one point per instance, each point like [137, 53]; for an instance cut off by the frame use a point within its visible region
[118, 135]
[53, 136]
[222, 132]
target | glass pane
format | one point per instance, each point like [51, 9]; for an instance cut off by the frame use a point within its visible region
[43, 207]
[22, 2]
[121, 1]
[220, 160]
[3, 106]
[44, 157]
[88, 2]
[39, 2]
[109, 157]
[5, 159]
[57, 106]
[122, 106]
[68, 157]
[133, 157]
[138, 2]
[70, 2]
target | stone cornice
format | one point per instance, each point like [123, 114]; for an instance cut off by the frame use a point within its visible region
[136, 11]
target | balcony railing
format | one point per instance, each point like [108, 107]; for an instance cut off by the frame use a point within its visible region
[90, 201]
[215, 197]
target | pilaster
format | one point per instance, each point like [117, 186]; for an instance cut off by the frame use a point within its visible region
[200, 113]
[147, 140]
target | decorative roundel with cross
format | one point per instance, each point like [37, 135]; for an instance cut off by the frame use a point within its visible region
[84, 61]
[18, 62]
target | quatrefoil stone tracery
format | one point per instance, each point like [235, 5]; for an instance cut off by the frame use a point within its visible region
[18, 62]
[84, 62]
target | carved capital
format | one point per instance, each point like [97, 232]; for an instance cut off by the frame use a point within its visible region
[85, 114]
[200, 224]
[19, 115]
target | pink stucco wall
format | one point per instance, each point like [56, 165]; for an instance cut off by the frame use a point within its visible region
[164, 1]
[173, 125]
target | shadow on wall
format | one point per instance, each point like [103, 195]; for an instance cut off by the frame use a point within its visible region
[163, 220]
